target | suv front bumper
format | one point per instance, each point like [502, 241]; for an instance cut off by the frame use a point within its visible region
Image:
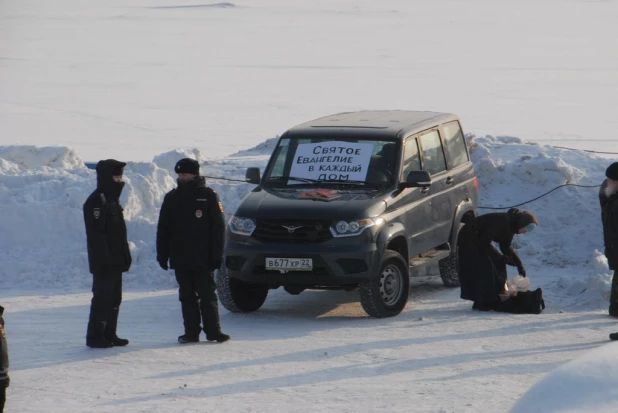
[334, 264]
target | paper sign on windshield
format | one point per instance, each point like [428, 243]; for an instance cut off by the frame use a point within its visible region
[347, 161]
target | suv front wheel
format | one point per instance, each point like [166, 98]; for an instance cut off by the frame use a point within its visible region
[238, 296]
[387, 294]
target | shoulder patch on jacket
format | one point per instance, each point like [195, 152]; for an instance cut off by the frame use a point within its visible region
[220, 206]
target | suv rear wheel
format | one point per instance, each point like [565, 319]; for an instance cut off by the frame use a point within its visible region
[449, 267]
[238, 296]
[386, 295]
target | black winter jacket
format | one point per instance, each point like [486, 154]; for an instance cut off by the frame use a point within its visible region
[191, 229]
[610, 230]
[4, 354]
[497, 227]
[106, 230]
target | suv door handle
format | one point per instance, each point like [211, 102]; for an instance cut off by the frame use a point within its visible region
[449, 180]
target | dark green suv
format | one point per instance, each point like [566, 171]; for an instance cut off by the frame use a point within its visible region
[354, 200]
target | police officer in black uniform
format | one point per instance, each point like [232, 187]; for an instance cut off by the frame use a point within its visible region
[108, 254]
[609, 214]
[190, 235]
[4, 362]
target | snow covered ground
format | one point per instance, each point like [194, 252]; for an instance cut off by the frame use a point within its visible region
[138, 80]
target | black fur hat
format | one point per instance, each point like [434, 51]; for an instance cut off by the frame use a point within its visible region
[187, 166]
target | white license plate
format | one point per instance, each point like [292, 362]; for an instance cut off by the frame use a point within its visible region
[289, 264]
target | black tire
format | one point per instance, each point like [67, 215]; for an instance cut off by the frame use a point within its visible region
[387, 294]
[238, 296]
[449, 267]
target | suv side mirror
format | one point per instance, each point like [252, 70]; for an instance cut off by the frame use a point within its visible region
[252, 175]
[417, 179]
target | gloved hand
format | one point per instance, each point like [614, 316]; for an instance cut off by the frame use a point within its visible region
[215, 265]
[163, 264]
[508, 261]
[522, 271]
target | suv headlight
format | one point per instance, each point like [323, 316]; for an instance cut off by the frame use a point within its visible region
[353, 228]
[242, 226]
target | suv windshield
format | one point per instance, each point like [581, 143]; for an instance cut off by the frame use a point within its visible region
[319, 161]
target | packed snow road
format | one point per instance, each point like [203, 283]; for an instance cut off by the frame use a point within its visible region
[309, 353]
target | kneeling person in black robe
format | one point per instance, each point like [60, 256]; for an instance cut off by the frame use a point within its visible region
[482, 268]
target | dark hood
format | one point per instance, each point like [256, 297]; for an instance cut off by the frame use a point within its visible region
[106, 169]
[287, 204]
[520, 219]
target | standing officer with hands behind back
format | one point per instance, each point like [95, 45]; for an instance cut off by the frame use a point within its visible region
[191, 234]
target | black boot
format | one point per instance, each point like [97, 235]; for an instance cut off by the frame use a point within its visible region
[218, 337]
[110, 329]
[187, 338]
[117, 341]
[613, 336]
[98, 343]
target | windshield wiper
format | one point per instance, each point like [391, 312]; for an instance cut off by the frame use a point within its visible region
[325, 181]
[295, 178]
[350, 182]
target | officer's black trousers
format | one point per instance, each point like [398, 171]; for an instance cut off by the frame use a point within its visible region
[2, 398]
[105, 304]
[198, 297]
[613, 297]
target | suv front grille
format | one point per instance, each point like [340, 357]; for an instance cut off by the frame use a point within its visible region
[282, 231]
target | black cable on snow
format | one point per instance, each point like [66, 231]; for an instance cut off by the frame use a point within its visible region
[585, 150]
[480, 207]
[484, 207]
[224, 179]
[541, 196]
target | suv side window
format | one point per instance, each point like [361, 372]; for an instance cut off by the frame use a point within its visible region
[433, 155]
[411, 160]
[455, 144]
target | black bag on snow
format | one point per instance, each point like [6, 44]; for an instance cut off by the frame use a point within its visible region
[525, 302]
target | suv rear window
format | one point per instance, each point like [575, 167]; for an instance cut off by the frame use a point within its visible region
[324, 160]
[455, 144]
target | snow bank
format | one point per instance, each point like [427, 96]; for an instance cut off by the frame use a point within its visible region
[584, 385]
[42, 191]
[34, 157]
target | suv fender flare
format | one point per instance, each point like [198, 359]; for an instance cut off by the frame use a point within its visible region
[463, 208]
[391, 231]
